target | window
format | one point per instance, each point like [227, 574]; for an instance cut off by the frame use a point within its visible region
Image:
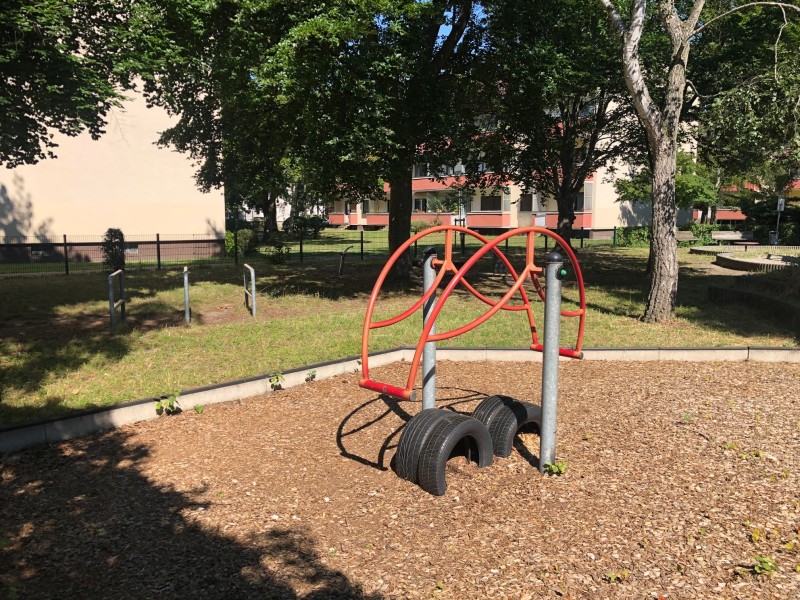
[421, 204]
[491, 203]
[526, 203]
[365, 207]
[421, 170]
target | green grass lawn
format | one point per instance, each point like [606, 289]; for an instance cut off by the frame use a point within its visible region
[57, 354]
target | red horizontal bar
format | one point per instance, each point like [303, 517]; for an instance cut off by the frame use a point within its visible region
[566, 352]
[383, 388]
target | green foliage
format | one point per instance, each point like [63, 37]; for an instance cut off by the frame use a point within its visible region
[278, 251]
[309, 226]
[418, 225]
[62, 65]
[762, 216]
[633, 237]
[276, 381]
[168, 405]
[557, 468]
[199, 408]
[312, 375]
[113, 248]
[763, 565]
[244, 238]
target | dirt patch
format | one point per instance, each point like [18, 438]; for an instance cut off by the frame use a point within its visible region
[679, 477]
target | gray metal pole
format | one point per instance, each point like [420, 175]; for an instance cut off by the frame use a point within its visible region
[111, 308]
[552, 329]
[429, 351]
[186, 310]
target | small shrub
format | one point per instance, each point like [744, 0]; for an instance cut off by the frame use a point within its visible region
[278, 251]
[418, 225]
[557, 468]
[245, 239]
[199, 408]
[633, 237]
[763, 565]
[168, 405]
[276, 381]
[113, 247]
[309, 226]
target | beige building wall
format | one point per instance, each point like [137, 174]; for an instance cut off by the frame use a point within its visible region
[122, 180]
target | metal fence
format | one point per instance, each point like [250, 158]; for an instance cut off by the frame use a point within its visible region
[77, 254]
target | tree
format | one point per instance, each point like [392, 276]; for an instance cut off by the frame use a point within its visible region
[562, 107]
[63, 65]
[201, 69]
[373, 87]
[695, 186]
[658, 94]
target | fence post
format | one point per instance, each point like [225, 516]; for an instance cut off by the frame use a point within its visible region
[158, 250]
[235, 245]
[614, 237]
[66, 256]
[362, 244]
[583, 234]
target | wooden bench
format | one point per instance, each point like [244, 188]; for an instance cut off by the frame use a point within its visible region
[685, 236]
[744, 238]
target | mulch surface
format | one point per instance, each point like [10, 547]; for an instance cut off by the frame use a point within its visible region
[679, 476]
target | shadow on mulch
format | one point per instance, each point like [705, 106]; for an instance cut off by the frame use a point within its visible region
[88, 524]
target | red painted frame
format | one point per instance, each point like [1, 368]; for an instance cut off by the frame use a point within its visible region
[447, 265]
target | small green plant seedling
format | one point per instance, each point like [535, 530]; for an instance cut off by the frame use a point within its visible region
[311, 376]
[763, 565]
[557, 468]
[687, 417]
[168, 405]
[275, 381]
[620, 576]
[199, 408]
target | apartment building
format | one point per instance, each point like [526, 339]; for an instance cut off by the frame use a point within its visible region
[440, 200]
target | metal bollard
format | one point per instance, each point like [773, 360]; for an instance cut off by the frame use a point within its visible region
[555, 272]
[429, 351]
[187, 316]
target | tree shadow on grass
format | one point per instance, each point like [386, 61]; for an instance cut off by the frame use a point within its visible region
[79, 520]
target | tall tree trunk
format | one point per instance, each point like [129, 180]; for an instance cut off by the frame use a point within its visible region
[400, 207]
[566, 213]
[663, 247]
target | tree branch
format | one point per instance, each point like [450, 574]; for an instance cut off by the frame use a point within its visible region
[782, 5]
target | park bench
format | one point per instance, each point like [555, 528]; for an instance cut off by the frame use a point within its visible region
[685, 236]
[744, 238]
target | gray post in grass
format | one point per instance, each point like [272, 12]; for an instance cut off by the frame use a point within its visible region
[186, 310]
[429, 351]
[552, 329]
[251, 294]
[112, 303]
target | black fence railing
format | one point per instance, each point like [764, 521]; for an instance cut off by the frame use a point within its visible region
[77, 254]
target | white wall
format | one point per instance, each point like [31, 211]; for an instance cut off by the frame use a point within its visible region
[121, 180]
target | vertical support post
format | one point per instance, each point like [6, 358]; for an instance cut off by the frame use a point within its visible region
[583, 235]
[614, 237]
[552, 328]
[158, 251]
[429, 351]
[252, 293]
[463, 244]
[236, 242]
[362, 244]
[66, 256]
[187, 312]
[112, 304]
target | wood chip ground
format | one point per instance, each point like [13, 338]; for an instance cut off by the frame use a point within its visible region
[682, 481]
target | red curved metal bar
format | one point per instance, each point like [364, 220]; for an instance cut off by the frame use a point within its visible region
[459, 279]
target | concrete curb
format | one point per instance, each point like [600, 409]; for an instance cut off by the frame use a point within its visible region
[91, 421]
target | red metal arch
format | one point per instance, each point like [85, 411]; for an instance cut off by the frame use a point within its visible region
[446, 265]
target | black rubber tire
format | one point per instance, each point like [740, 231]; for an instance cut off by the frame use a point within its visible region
[490, 407]
[440, 444]
[508, 421]
[416, 431]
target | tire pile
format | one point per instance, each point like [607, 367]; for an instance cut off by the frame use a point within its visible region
[433, 435]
